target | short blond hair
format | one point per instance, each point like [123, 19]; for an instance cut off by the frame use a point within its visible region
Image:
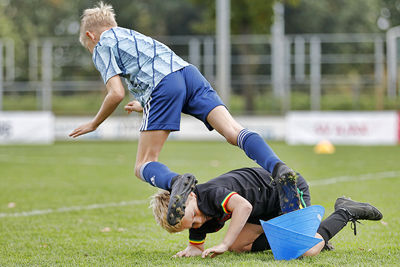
[93, 19]
[159, 204]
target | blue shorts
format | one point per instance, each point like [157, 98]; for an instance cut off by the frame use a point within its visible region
[185, 90]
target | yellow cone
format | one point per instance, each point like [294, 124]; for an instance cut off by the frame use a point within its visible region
[324, 147]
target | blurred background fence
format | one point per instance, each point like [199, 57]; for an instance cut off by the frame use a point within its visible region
[321, 71]
[275, 60]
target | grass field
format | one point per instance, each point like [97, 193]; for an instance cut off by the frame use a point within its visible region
[67, 194]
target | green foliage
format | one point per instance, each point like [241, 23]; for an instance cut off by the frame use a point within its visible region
[157, 17]
[46, 18]
[340, 16]
[390, 10]
[247, 16]
[80, 174]
[25, 21]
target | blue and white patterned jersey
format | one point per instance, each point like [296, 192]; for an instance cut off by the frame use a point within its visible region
[141, 60]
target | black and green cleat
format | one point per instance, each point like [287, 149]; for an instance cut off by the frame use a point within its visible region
[285, 179]
[181, 186]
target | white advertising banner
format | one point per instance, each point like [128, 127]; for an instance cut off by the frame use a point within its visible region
[26, 127]
[114, 128]
[127, 128]
[352, 128]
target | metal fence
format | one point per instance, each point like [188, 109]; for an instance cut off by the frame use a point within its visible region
[316, 69]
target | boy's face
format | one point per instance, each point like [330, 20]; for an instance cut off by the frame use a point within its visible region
[193, 218]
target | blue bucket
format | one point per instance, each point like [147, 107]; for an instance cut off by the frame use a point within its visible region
[292, 234]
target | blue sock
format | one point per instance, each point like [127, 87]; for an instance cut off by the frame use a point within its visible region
[157, 174]
[257, 149]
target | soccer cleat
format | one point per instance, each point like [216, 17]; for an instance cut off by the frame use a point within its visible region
[357, 211]
[285, 179]
[181, 186]
[328, 246]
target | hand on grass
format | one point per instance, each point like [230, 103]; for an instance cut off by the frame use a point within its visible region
[133, 106]
[83, 129]
[190, 251]
[215, 251]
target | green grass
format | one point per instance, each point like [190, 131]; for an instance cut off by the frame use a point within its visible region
[72, 174]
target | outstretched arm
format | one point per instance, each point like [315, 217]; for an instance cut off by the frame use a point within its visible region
[241, 210]
[115, 94]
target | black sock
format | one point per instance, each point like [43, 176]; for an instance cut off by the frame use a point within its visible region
[260, 244]
[333, 224]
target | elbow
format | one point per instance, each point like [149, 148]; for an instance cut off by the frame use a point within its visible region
[247, 208]
[119, 96]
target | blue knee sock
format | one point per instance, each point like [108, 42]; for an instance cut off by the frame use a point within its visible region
[157, 174]
[257, 149]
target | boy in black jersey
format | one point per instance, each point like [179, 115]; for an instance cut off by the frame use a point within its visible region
[245, 196]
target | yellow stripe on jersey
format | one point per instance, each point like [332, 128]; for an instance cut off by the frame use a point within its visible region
[225, 202]
[196, 242]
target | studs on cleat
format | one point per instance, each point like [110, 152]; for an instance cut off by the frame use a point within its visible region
[183, 185]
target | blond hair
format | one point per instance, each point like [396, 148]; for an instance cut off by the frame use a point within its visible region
[159, 204]
[93, 19]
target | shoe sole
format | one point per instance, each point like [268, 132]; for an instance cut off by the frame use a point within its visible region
[288, 196]
[179, 195]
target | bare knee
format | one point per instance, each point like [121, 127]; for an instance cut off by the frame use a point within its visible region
[240, 248]
[311, 252]
[315, 250]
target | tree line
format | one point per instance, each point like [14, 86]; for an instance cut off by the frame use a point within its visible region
[24, 21]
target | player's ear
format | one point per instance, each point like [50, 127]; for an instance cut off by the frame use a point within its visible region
[90, 35]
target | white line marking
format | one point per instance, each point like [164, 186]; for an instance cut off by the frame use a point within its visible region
[328, 181]
[73, 208]
[355, 178]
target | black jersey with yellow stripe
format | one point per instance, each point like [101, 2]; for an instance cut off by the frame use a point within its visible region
[254, 184]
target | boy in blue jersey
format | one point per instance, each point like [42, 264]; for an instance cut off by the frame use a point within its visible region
[164, 86]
